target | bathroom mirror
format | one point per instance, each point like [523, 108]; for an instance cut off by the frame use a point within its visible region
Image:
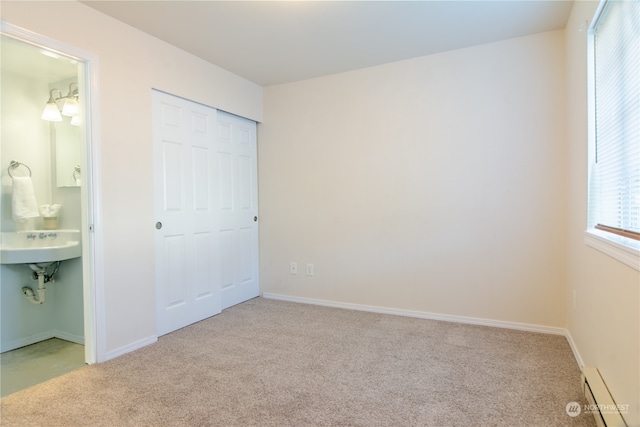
[68, 152]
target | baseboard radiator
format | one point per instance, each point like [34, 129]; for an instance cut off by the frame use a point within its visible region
[600, 402]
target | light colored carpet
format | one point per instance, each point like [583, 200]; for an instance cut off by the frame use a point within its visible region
[274, 363]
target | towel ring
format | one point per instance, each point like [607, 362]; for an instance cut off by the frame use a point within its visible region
[14, 165]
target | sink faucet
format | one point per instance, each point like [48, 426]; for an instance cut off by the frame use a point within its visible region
[43, 236]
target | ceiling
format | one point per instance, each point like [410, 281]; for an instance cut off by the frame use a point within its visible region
[272, 42]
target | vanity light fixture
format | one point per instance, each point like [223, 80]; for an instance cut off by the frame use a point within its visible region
[70, 106]
[51, 112]
[75, 120]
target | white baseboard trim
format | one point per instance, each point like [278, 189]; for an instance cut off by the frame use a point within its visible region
[574, 349]
[31, 339]
[436, 316]
[421, 314]
[131, 347]
[43, 336]
[69, 337]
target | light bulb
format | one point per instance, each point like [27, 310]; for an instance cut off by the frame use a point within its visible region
[51, 112]
[70, 107]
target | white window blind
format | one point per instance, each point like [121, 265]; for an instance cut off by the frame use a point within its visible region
[615, 199]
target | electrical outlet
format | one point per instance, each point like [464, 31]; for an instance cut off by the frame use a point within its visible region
[293, 268]
[309, 269]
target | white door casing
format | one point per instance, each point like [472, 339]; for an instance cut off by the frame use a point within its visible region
[238, 208]
[184, 150]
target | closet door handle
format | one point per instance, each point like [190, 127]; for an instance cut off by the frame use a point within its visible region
[255, 218]
[158, 225]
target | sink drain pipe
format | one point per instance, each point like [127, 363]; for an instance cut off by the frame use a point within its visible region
[29, 292]
[42, 277]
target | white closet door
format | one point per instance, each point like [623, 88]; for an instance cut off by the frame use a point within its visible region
[184, 145]
[238, 204]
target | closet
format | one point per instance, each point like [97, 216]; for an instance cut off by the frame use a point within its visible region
[206, 211]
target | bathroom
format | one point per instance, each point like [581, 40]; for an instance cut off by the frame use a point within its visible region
[51, 153]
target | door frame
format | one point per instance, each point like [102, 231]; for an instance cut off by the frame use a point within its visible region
[90, 196]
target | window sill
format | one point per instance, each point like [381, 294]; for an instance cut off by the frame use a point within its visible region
[620, 248]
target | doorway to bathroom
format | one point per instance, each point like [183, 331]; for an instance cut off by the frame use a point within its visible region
[48, 317]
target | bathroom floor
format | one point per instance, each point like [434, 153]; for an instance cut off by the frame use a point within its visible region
[27, 366]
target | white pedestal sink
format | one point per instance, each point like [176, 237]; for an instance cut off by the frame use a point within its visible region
[39, 246]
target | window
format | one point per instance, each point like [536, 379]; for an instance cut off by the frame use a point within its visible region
[614, 196]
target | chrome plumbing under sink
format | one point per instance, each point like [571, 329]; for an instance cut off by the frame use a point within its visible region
[39, 246]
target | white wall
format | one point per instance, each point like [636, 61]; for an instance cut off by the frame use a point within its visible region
[130, 64]
[605, 324]
[435, 184]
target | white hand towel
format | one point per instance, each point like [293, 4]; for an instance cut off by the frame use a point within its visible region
[23, 199]
[49, 211]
